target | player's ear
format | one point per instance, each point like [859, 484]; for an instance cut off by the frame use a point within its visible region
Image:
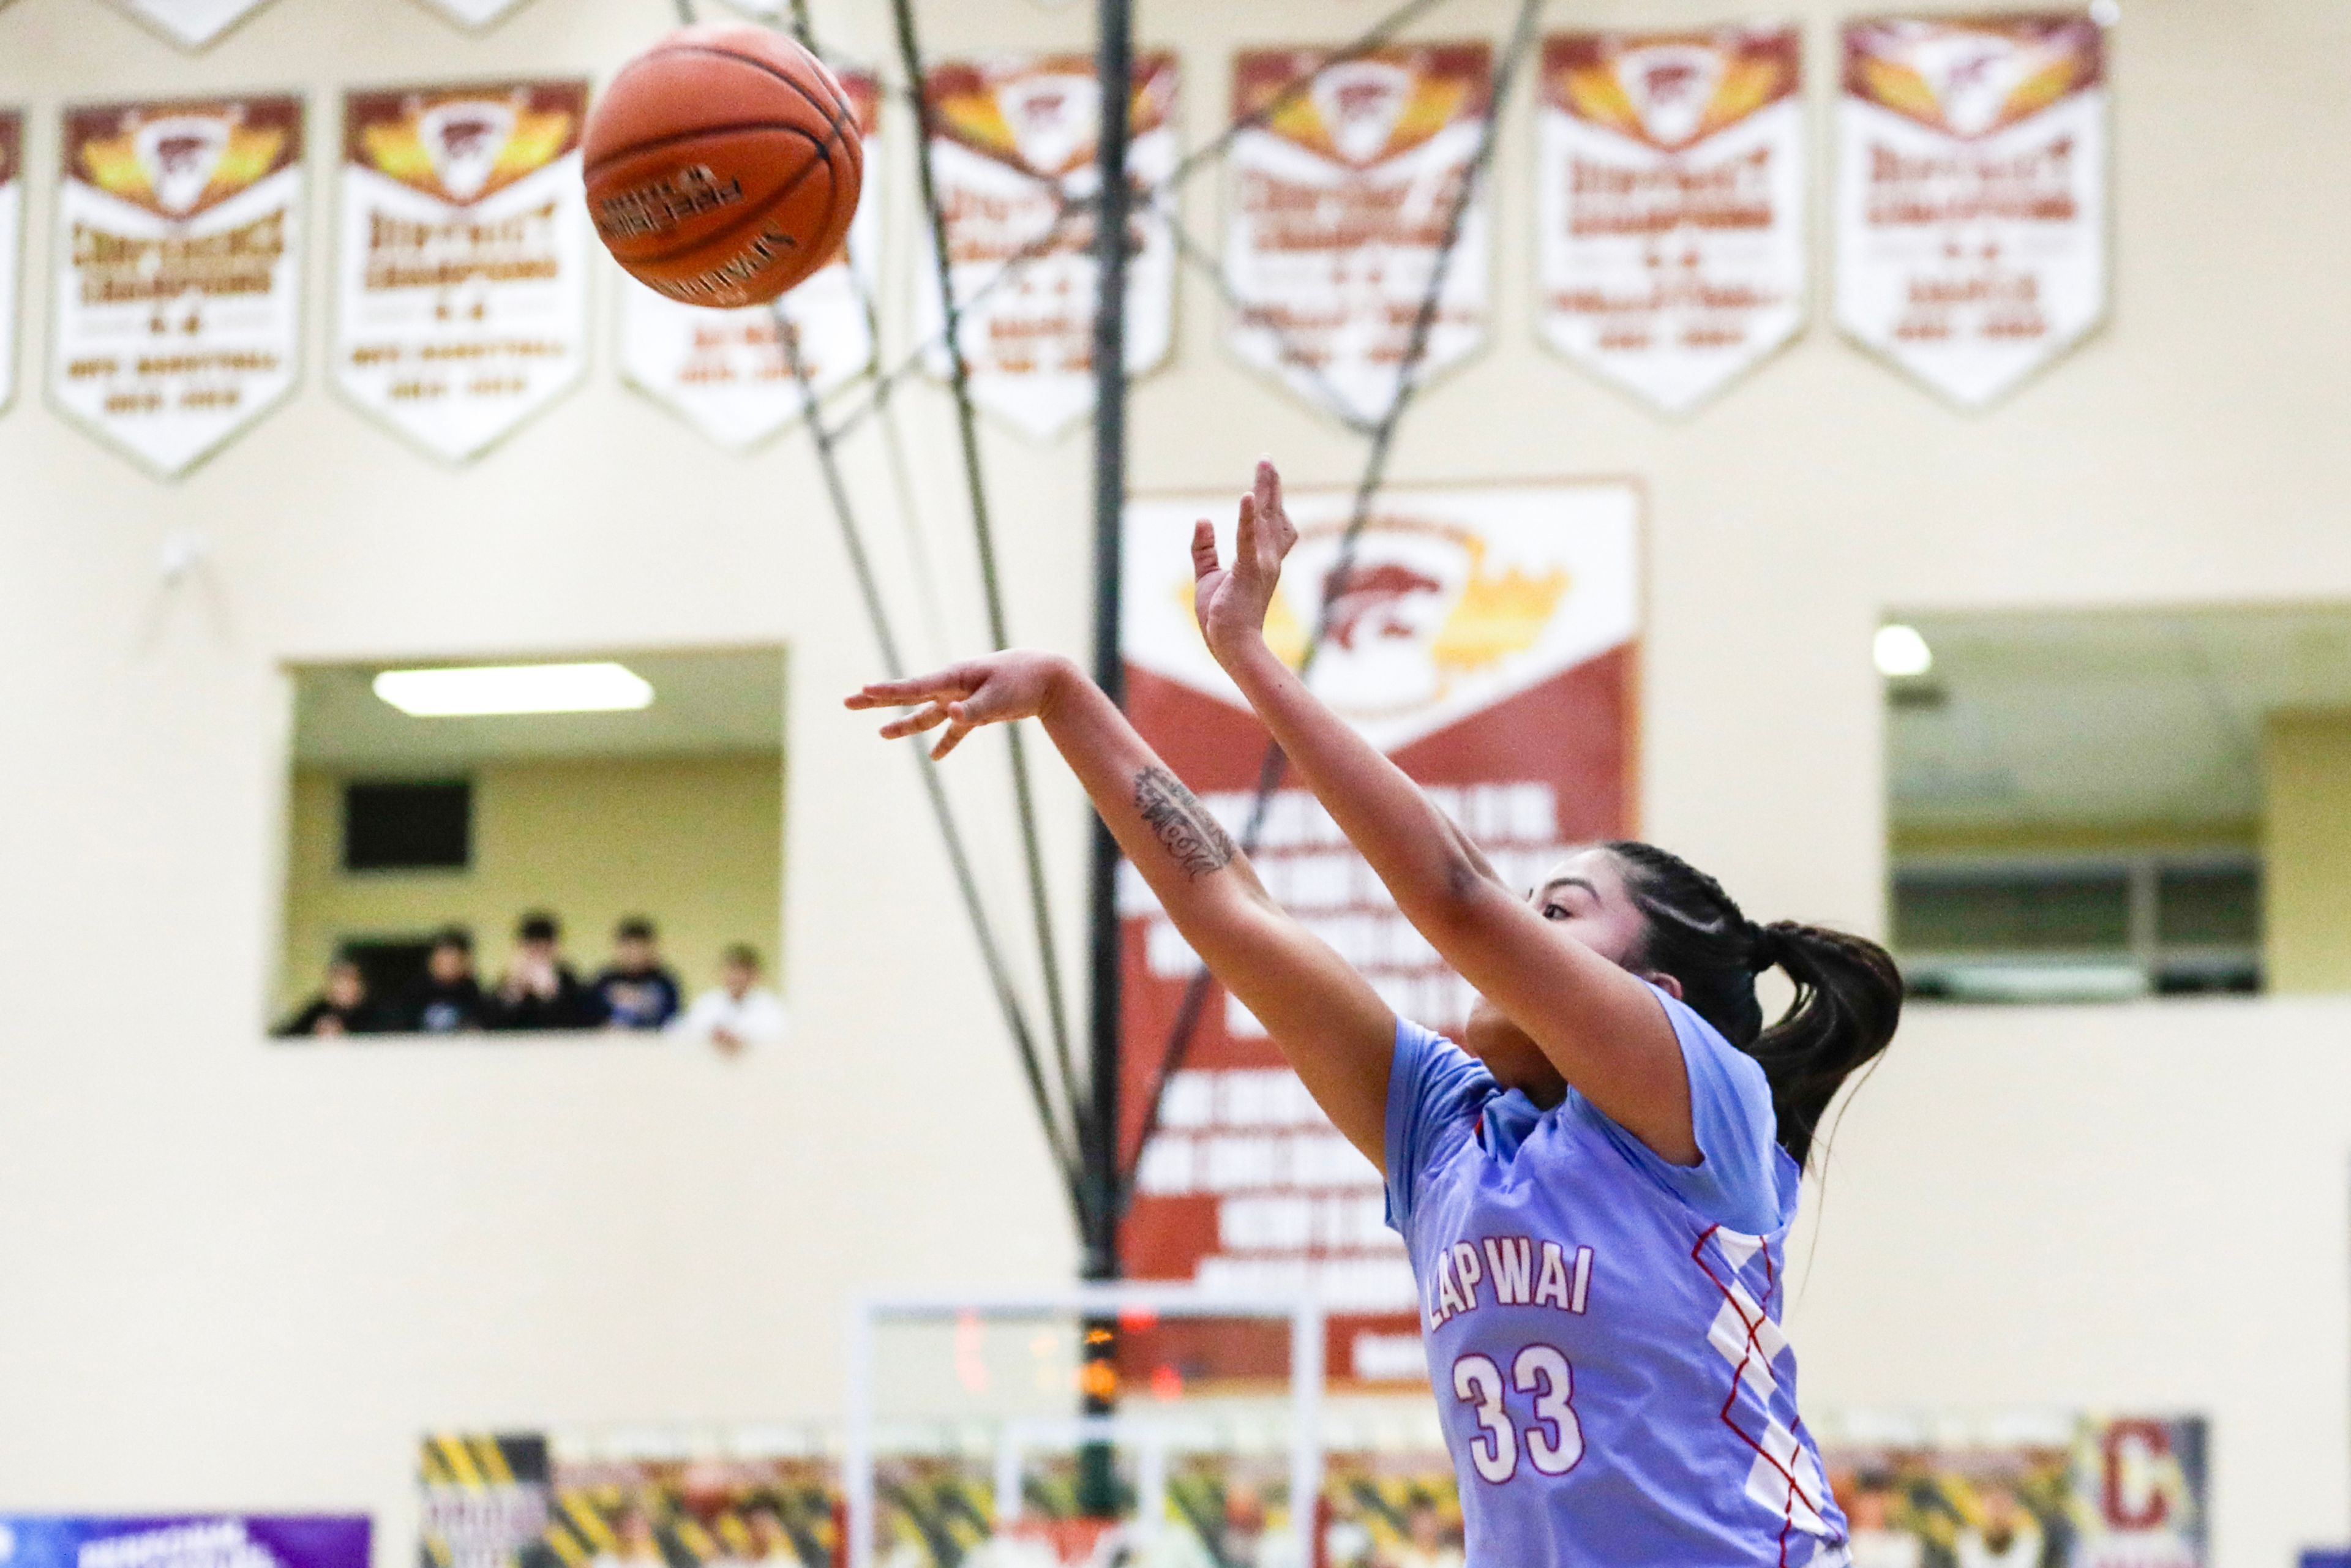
[1664, 982]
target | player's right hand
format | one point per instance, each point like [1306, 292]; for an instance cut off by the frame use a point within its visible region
[1015, 683]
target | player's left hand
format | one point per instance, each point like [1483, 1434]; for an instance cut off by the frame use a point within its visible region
[1231, 601]
[1014, 684]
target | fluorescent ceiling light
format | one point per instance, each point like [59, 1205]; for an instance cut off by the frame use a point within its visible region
[513, 688]
[1901, 652]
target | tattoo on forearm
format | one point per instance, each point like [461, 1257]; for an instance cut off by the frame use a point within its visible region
[1198, 840]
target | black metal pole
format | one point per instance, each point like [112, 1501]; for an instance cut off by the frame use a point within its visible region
[1114, 68]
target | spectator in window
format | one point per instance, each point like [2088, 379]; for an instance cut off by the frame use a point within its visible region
[449, 1000]
[636, 990]
[740, 1012]
[539, 990]
[341, 1006]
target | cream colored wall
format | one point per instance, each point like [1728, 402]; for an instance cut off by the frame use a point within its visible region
[695, 843]
[230, 1274]
[2306, 847]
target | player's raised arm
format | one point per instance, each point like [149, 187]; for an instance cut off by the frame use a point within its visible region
[1597, 1023]
[1327, 1020]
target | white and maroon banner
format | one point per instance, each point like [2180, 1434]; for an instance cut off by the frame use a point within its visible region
[474, 13]
[178, 312]
[12, 239]
[1341, 202]
[192, 24]
[1670, 205]
[1971, 194]
[1016, 139]
[725, 371]
[1484, 638]
[462, 280]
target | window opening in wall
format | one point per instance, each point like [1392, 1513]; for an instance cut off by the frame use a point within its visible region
[2108, 805]
[498, 847]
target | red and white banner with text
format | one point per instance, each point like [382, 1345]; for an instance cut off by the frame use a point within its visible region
[178, 305]
[1971, 194]
[1015, 141]
[1670, 205]
[1484, 638]
[462, 280]
[12, 239]
[1341, 202]
[725, 371]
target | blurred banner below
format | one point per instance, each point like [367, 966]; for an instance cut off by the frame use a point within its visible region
[184, 1541]
[2040, 1491]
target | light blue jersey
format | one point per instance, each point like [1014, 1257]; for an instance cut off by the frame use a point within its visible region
[1604, 1340]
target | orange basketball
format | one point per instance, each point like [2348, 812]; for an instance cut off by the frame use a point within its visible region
[723, 166]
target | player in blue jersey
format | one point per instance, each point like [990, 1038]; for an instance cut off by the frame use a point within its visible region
[1595, 1192]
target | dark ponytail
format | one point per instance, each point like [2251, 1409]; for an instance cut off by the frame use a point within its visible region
[1849, 991]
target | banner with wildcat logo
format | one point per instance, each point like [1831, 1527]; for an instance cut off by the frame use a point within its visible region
[1670, 205]
[462, 278]
[184, 1541]
[192, 24]
[1345, 180]
[12, 235]
[1971, 203]
[725, 371]
[1484, 637]
[1989, 1489]
[1014, 145]
[178, 310]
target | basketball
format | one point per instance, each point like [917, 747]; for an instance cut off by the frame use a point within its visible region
[723, 166]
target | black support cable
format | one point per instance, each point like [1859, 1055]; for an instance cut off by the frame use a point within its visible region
[1367, 489]
[1058, 1142]
[967, 427]
[967, 884]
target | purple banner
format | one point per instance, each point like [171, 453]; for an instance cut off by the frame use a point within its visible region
[184, 1541]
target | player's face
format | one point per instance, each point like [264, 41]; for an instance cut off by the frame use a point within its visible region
[1585, 898]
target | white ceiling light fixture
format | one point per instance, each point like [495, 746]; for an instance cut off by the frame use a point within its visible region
[479, 690]
[1902, 652]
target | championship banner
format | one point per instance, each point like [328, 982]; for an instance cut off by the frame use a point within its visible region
[2087, 1491]
[1015, 141]
[1971, 194]
[462, 280]
[725, 371]
[1484, 638]
[12, 239]
[184, 1541]
[475, 14]
[1341, 204]
[178, 313]
[1670, 205]
[192, 24]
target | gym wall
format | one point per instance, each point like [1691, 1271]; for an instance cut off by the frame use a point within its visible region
[237, 1276]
